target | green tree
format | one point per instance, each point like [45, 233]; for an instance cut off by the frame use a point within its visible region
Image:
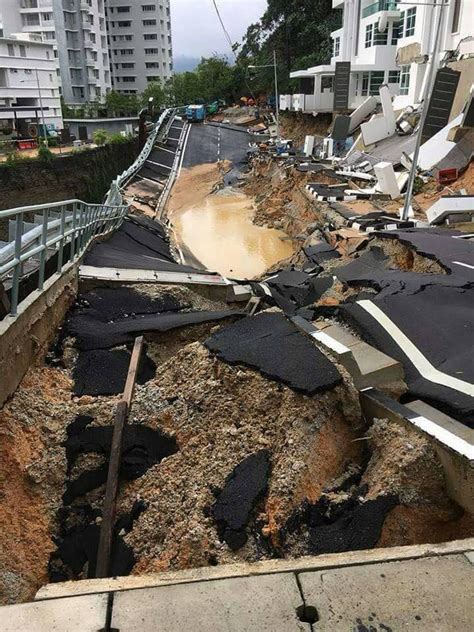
[155, 90]
[118, 104]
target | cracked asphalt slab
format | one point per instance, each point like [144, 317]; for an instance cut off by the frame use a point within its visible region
[421, 313]
[272, 345]
[139, 244]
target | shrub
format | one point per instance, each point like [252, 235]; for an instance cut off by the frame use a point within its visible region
[100, 137]
[117, 138]
[53, 142]
[44, 153]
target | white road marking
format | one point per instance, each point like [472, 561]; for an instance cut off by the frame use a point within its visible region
[422, 365]
[447, 438]
[465, 265]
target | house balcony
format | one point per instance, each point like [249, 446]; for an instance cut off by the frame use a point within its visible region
[388, 6]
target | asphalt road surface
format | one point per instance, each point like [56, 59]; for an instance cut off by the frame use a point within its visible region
[210, 143]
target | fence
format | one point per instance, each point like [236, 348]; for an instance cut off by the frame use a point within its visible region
[60, 232]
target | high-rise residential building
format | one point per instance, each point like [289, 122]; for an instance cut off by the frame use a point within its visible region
[77, 30]
[386, 42]
[140, 44]
[28, 84]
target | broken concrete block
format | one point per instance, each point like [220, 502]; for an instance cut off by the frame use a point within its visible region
[387, 180]
[359, 114]
[308, 146]
[450, 205]
[383, 126]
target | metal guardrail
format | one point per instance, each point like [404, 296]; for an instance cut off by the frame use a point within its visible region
[70, 223]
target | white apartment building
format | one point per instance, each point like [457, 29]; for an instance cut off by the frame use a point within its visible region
[25, 62]
[78, 32]
[139, 42]
[387, 42]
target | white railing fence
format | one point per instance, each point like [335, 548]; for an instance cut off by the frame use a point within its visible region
[65, 229]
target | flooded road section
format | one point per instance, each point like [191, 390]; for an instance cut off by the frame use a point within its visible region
[217, 229]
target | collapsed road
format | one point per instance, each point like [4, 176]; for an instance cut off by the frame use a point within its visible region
[246, 438]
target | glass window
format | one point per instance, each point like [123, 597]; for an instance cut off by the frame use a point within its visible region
[365, 84]
[404, 79]
[376, 80]
[11, 50]
[148, 7]
[380, 39]
[397, 31]
[368, 35]
[327, 83]
[337, 46]
[456, 14]
[394, 76]
[410, 22]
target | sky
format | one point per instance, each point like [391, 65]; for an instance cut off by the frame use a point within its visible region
[196, 28]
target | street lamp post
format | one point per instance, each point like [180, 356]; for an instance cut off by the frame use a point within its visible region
[426, 99]
[41, 106]
[40, 103]
[277, 105]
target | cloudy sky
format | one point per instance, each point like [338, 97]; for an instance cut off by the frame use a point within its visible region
[196, 28]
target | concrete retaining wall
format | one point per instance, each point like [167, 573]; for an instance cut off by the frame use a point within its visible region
[85, 175]
[26, 337]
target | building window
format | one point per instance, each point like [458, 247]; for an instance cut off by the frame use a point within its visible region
[369, 29]
[337, 46]
[365, 84]
[152, 64]
[397, 31]
[148, 7]
[11, 50]
[123, 9]
[22, 50]
[380, 39]
[376, 80]
[394, 76]
[124, 23]
[152, 79]
[327, 83]
[456, 15]
[128, 79]
[151, 51]
[150, 36]
[149, 22]
[404, 79]
[410, 22]
[128, 65]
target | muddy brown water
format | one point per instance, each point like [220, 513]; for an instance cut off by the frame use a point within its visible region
[219, 232]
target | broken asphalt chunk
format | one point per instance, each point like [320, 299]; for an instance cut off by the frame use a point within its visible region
[244, 487]
[271, 344]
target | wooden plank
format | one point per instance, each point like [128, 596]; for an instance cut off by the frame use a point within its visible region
[132, 371]
[112, 485]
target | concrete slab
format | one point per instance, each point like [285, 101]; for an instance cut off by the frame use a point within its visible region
[231, 605]
[426, 594]
[72, 614]
[265, 567]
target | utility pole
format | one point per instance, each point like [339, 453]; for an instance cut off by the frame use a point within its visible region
[41, 107]
[277, 104]
[426, 100]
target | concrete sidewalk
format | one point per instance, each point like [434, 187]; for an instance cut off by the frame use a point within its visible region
[426, 587]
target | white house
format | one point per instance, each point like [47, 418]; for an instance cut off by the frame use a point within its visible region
[387, 42]
[28, 79]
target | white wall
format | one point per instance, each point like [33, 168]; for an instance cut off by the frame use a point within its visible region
[21, 81]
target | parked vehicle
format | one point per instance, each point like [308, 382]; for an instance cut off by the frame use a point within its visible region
[196, 113]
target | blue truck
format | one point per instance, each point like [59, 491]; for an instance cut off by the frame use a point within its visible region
[196, 113]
